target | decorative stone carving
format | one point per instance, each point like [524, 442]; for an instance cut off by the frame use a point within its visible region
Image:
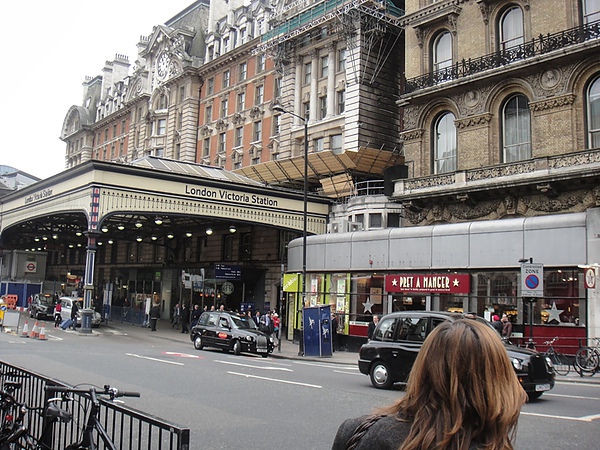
[551, 103]
[221, 124]
[411, 116]
[473, 121]
[434, 181]
[412, 135]
[466, 212]
[596, 195]
[565, 202]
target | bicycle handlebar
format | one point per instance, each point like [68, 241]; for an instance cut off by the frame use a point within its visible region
[107, 390]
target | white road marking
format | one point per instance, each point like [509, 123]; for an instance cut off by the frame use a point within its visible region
[327, 365]
[550, 416]
[566, 383]
[253, 367]
[276, 380]
[182, 355]
[154, 359]
[579, 397]
[348, 373]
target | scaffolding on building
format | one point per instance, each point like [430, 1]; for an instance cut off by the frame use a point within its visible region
[288, 28]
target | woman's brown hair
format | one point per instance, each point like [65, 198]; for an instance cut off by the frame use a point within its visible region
[461, 390]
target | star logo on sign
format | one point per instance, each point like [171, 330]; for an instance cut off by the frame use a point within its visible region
[394, 281]
[455, 282]
[368, 305]
[554, 313]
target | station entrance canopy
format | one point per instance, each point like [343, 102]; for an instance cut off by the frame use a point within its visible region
[148, 196]
[334, 171]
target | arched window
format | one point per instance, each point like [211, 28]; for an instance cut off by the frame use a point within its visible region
[444, 144]
[161, 102]
[516, 124]
[511, 28]
[593, 114]
[591, 11]
[442, 51]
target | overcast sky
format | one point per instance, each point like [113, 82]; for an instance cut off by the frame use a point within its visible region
[48, 49]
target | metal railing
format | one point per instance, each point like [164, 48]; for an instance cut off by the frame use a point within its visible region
[127, 428]
[537, 46]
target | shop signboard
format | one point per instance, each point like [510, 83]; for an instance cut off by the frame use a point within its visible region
[434, 283]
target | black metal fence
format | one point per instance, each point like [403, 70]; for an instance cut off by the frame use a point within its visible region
[128, 428]
[537, 46]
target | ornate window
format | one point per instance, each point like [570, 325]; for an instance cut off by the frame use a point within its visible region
[442, 51]
[324, 66]
[226, 79]
[259, 95]
[510, 28]
[307, 73]
[516, 129]
[224, 107]
[444, 144]
[341, 102]
[257, 131]
[241, 101]
[239, 137]
[593, 113]
[591, 11]
[341, 66]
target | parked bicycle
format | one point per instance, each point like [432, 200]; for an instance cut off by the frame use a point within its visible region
[561, 363]
[587, 359]
[93, 432]
[15, 434]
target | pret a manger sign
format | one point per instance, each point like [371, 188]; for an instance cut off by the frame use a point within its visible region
[432, 283]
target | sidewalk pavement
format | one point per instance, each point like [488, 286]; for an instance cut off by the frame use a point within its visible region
[287, 350]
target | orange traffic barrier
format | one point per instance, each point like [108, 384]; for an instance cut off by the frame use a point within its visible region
[25, 331]
[42, 336]
[35, 331]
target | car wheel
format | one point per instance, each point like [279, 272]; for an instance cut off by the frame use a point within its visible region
[380, 375]
[198, 342]
[264, 355]
[237, 347]
[534, 395]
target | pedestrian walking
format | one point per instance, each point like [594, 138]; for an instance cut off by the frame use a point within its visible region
[185, 318]
[154, 316]
[176, 316]
[57, 316]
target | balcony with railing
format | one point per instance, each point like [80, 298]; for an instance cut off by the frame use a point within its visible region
[541, 45]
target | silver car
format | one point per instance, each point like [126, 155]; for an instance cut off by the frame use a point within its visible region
[67, 306]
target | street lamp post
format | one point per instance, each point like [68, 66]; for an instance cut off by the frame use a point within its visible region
[304, 211]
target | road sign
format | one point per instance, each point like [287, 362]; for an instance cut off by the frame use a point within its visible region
[589, 276]
[532, 280]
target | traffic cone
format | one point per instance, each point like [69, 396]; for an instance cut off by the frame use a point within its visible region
[43, 333]
[35, 331]
[25, 331]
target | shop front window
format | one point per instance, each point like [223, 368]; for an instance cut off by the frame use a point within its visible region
[561, 304]
[366, 297]
[497, 295]
[314, 289]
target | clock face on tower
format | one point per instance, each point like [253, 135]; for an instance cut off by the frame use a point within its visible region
[162, 66]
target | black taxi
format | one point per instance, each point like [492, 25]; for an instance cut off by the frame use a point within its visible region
[230, 331]
[390, 355]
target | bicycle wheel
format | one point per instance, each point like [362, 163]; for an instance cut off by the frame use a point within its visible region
[560, 363]
[586, 361]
